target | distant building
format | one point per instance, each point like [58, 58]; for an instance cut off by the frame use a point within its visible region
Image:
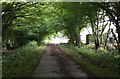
[88, 31]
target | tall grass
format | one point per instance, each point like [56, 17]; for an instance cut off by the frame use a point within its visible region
[21, 62]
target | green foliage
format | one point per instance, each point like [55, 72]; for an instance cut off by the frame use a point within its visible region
[101, 58]
[21, 62]
[100, 64]
[37, 20]
[23, 22]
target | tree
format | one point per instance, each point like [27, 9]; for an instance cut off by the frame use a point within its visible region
[71, 21]
[21, 22]
[112, 11]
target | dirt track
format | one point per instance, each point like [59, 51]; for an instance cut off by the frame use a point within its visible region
[55, 63]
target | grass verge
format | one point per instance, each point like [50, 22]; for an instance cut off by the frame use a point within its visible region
[97, 71]
[21, 62]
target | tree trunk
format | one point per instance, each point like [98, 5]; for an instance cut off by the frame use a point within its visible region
[118, 32]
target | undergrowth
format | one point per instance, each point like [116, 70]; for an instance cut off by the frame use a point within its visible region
[21, 62]
[102, 63]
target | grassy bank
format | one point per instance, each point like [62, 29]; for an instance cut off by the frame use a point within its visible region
[100, 64]
[21, 61]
